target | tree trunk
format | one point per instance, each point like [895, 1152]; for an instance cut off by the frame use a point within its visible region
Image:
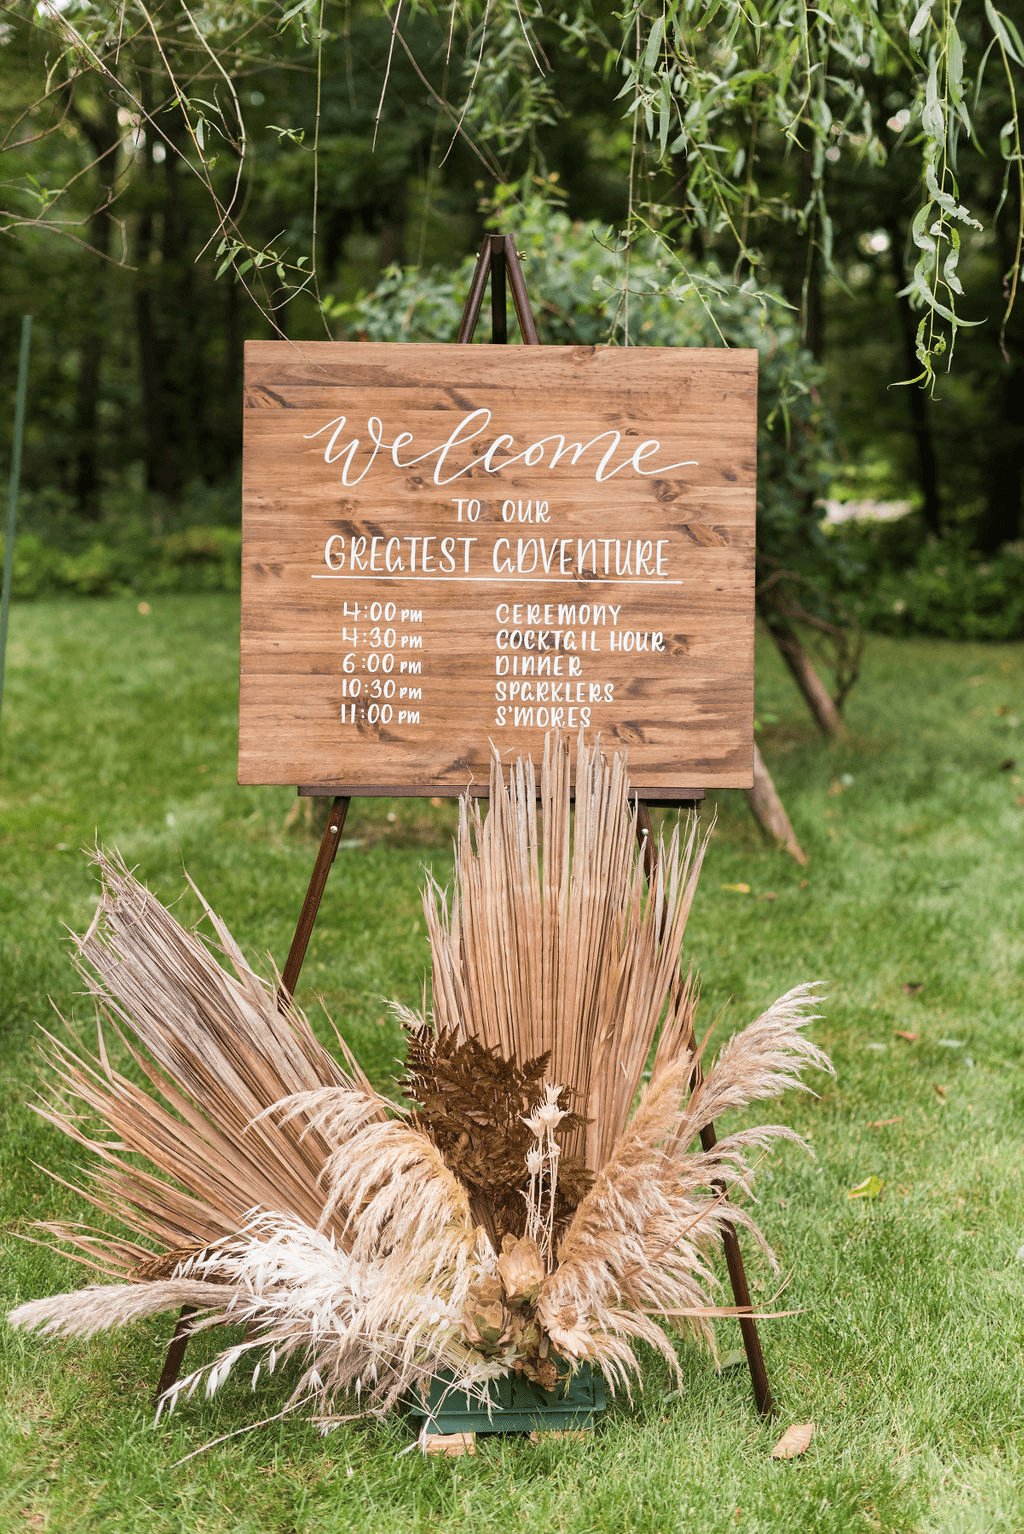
[769, 811]
[917, 398]
[802, 275]
[182, 354]
[161, 475]
[103, 136]
[1000, 521]
[87, 386]
[816, 695]
[228, 410]
[812, 300]
[681, 201]
[392, 230]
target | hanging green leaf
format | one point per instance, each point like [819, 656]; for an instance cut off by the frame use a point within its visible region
[919, 23]
[1006, 32]
[654, 45]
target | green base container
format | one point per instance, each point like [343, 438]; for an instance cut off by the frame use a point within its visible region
[516, 1405]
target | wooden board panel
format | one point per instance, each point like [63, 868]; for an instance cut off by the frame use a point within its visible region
[448, 546]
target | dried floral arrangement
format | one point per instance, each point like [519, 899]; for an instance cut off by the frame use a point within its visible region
[530, 1201]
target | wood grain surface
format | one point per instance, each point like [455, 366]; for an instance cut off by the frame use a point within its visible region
[446, 547]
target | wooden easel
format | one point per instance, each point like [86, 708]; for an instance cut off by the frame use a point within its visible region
[498, 261]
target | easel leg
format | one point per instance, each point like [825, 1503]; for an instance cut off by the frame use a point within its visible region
[708, 1139]
[175, 1351]
[329, 844]
[741, 1294]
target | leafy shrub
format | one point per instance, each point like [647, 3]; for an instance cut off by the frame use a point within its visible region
[198, 559]
[897, 580]
[126, 561]
[950, 591]
[869, 550]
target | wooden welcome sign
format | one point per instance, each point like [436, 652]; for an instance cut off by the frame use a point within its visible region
[446, 547]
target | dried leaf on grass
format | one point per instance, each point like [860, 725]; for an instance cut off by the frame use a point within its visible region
[871, 1187]
[795, 1440]
[731, 1360]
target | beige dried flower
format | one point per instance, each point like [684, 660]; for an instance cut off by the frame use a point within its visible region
[484, 1326]
[486, 1291]
[547, 1116]
[484, 1317]
[566, 1328]
[521, 1269]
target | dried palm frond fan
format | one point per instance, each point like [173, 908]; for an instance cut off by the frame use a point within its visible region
[519, 1211]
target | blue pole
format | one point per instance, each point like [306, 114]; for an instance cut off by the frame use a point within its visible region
[19, 432]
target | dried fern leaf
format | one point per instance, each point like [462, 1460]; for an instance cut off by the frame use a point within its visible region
[473, 1103]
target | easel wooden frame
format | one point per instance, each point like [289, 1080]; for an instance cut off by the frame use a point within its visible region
[499, 262]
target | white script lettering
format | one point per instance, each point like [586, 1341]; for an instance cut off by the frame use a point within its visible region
[551, 448]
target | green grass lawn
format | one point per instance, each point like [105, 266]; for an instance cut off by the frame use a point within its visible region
[906, 1346]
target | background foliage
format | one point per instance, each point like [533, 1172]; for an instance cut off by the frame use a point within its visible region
[179, 177]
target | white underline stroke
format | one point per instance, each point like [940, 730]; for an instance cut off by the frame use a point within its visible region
[499, 580]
